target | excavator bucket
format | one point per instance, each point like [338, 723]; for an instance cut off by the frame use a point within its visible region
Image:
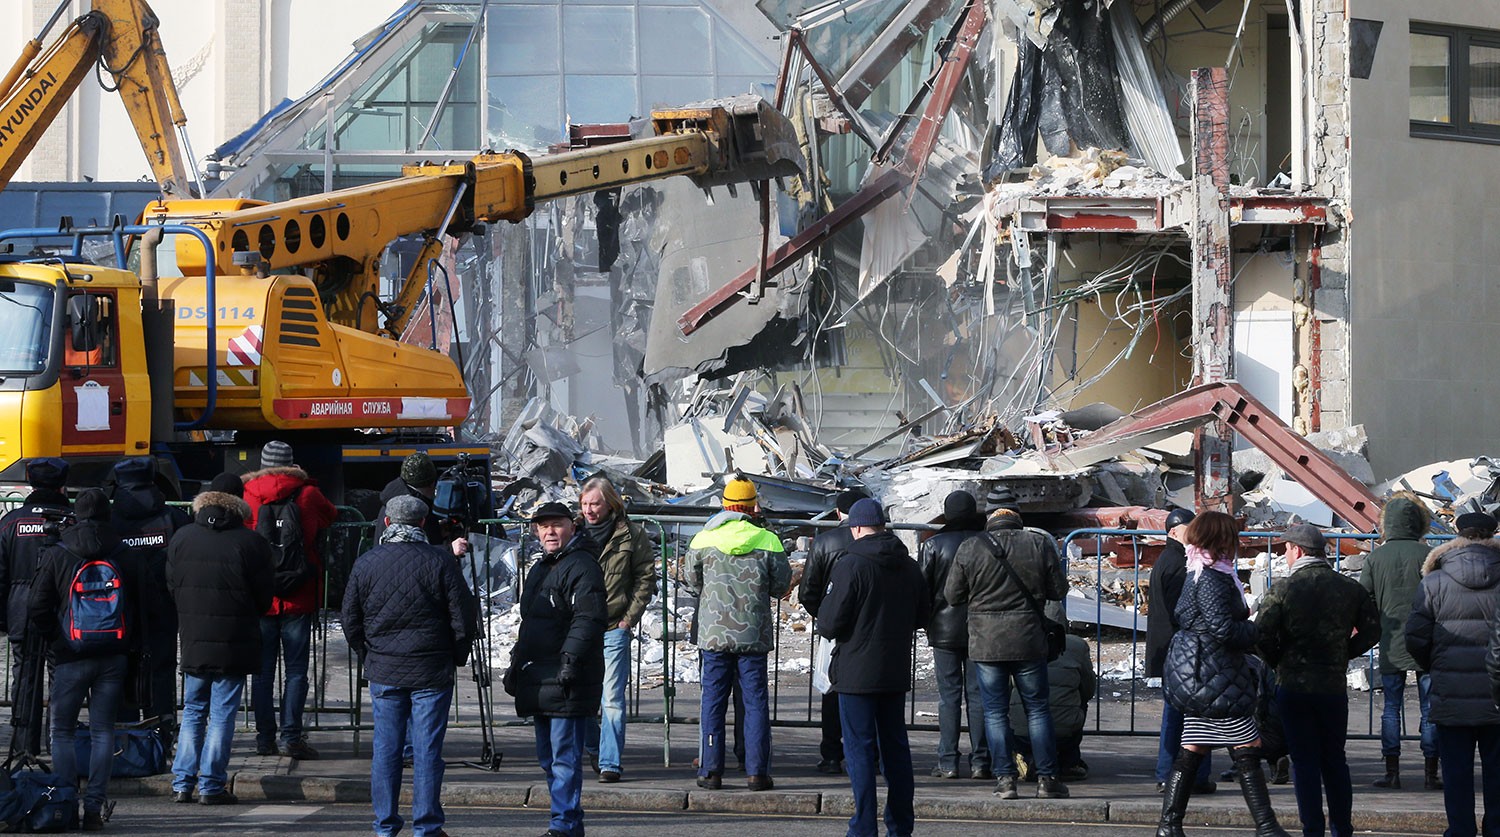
[754, 140]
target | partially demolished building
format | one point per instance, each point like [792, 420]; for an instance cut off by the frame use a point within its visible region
[1009, 207]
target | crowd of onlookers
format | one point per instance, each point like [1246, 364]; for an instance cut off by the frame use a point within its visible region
[107, 587]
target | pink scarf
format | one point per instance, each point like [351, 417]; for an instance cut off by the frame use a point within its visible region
[1199, 558]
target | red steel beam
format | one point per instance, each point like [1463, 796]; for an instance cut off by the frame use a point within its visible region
[867, 71]
[783, 257]
[870, 195]
[1228, 402]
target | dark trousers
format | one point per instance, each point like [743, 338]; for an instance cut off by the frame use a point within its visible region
[958, 686]
[1069, 749]
[101, 680]
[875, 727]
[1171, 742]
[1316, 727]
[1456, 747]
[831, 745]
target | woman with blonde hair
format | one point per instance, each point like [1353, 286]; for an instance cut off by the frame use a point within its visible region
[1209, 679]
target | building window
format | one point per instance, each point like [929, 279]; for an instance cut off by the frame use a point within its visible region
[1455, 83]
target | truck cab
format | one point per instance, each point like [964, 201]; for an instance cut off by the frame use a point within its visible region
[73, 379]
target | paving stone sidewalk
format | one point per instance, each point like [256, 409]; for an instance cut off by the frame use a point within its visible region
[1120, 788]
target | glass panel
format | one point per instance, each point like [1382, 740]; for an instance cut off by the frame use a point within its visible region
[1430, 78]
[522, 40]
[844, 38]
[524, 112]
[675, 91]
[735, 56]
[374, 129]
[674, 41]
[599, 39]
[25, 326]
[736, 85]
[458, 130]
[1484, 85]
[601, 98]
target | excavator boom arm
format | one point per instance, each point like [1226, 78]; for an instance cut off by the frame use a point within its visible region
[122, 35]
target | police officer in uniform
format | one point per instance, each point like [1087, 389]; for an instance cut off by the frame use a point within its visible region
[24, 531]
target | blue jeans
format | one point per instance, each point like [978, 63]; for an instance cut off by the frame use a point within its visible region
[102, 680]
[1456, 751]
[559, 750]
[958, 683]
[209, 706]
[720, 672]
[293, 634]
[425, 713]
[607, 740]
[875, 726]
[1316, 728]
[1030, 678]
[1171, 742]
[1393, 687]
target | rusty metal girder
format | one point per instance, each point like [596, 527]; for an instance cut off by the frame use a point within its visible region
[1228, 402]
[871, 194]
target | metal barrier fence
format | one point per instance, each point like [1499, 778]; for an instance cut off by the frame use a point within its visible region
[336, 702]
[1133, 542]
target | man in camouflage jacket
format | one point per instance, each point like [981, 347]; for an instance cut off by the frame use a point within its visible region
[737, 569]
[1312, 624]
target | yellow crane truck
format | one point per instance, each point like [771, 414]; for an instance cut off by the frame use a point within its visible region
[271, 331]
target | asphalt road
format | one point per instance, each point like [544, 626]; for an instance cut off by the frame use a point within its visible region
[156, 816]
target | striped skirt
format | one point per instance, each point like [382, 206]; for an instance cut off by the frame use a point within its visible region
[1219, 732]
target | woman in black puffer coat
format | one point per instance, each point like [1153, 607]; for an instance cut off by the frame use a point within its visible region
[1208, 678]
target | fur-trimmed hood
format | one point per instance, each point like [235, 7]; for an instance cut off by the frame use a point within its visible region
[205, 504]
[284, 470]
[1473, 563]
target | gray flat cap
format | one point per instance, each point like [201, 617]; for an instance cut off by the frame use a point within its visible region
[406, 509]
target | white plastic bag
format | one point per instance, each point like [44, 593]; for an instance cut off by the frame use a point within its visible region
[822, 657]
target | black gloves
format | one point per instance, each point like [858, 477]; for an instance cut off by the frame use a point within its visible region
[568, 672]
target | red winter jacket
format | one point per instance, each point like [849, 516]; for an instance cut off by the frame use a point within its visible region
[275, 484]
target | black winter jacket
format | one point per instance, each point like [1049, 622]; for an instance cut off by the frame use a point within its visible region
[825, 551]
[146, 524]
[409, 615]
[876, 601]
[1161, 613]
[21, 542]
[1449, 630]
[85, 541]
[562, 614]
[219, 575]
[1003, 626]
[948, 625]
[1207, 675]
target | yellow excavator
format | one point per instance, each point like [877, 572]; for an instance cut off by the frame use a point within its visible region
[272, 330]
[121, 37]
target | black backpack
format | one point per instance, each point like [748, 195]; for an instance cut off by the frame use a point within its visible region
[280, 523]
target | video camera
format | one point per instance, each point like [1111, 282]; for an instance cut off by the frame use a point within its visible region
[55, 521]
[463, 496]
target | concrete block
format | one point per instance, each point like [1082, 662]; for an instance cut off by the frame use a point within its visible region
[270, 787]
[745, 802]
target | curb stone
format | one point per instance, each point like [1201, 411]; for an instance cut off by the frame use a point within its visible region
[762, 802]
[276, 787]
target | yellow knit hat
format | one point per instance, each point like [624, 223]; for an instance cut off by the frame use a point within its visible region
[739, 492]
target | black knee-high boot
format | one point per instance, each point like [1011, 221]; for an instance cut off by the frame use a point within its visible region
[1257, 796]
[1175, 796]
